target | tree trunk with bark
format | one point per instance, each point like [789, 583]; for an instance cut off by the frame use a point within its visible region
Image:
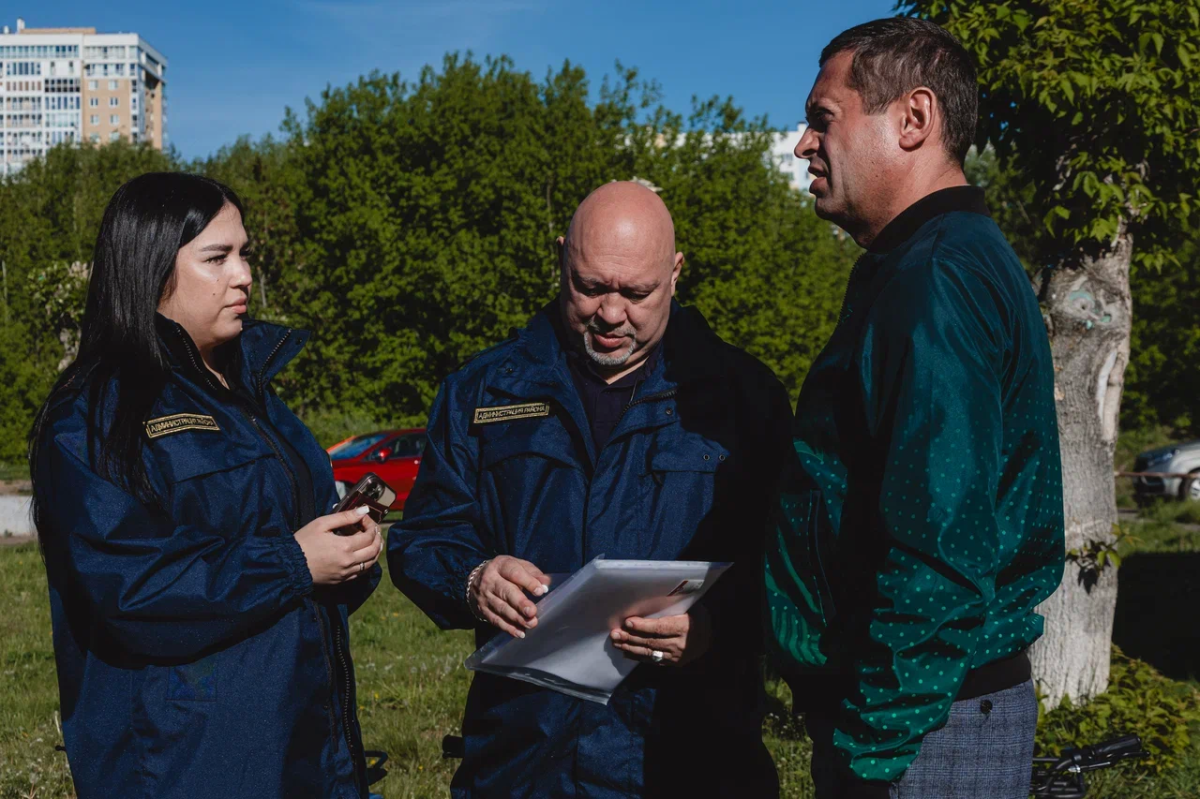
[1089, 313]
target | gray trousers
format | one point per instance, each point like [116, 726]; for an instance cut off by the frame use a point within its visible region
[985, 751]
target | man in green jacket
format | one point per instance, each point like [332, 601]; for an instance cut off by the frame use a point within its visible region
[921, 522]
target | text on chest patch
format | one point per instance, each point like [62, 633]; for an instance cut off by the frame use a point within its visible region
[508, 413]
[177, 423]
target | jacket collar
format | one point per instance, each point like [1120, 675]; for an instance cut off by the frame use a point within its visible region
[537, 368]
[944, 201]
[254, 357]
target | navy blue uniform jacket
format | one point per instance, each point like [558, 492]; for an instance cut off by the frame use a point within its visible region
[686, 474]
[195, 658]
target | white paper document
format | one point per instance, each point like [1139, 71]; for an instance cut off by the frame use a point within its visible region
[570, 650]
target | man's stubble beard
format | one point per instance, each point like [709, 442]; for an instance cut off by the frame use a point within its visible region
[608, 359]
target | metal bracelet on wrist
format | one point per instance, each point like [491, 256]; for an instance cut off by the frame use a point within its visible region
[471, 578]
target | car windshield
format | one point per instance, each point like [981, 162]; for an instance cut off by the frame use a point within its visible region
[356, 446]
[409, 446]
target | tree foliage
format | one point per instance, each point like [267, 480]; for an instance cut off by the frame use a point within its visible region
[1163, 384]
[1099, 100]
[428, 212]
[49, 215]
[410, 224]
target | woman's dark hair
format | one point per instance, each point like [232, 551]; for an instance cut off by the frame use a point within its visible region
[896, 55]
[145, 224]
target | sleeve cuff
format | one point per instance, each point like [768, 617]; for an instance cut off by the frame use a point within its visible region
[292, 557]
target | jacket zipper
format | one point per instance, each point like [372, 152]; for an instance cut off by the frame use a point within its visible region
[316, 609]
[253, 419]
[325, 636]
[338, 648]
[587, 496]
[295, 509]
[190, 347]
[662, 395]
[262, 373]
[337, 645]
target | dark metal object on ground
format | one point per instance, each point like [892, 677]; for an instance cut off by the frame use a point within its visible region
[453, 746]
[376, 758]
[1062, 777]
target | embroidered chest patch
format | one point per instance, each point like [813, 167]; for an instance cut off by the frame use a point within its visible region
[177, 423]
[509, 413]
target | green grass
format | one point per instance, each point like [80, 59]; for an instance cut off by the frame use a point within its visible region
[412, 687]
[1163, 527]
[18, 470]
[1186, 512]
[29, 765]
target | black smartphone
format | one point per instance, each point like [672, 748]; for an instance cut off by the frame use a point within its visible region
[370, 491]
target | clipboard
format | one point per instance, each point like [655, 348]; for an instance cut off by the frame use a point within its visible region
[569, 650]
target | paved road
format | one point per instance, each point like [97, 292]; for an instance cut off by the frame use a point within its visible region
[16, 526]
[14, 515]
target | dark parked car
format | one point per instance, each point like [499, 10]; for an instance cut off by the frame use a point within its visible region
[1182, 459]
[394, 455]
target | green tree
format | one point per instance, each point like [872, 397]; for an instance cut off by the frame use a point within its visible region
[261, 173]
[410, 225]
[427, 214]
[1163, 382]
[1095, 104]
[49, 216]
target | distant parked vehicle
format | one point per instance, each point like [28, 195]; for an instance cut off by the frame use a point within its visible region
[1177, 459]
[394, 455]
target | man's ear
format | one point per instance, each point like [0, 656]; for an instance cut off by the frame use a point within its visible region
[675, 270]
[561, 246]
[922, 114]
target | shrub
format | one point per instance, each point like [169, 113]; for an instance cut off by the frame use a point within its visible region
[330, 426]
[1188, 513]
[1139, 701]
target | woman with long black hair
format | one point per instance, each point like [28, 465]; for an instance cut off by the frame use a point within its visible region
[199, 595]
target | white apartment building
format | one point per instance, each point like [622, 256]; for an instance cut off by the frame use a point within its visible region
[74, 85]
[782, 154]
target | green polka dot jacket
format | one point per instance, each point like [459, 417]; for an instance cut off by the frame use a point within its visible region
[921, 522]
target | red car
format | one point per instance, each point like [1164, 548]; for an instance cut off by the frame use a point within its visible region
[394, 455]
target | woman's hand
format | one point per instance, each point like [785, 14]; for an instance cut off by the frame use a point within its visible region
[333, 558]
[497, 594]
[680, 639]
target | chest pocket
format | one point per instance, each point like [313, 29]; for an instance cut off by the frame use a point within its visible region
[222, 486]
[685, 487]
[531, 489]
[513, 445]
[699, 457]
[195, 454]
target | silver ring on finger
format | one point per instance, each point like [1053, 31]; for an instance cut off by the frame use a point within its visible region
[362, 567]
[657, 657]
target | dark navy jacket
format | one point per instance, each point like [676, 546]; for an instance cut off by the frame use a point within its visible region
[686, 474]
[195, 658]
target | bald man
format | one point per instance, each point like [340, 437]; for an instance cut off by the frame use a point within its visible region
[615, 423]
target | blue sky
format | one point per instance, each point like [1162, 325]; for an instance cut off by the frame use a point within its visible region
[235, 65]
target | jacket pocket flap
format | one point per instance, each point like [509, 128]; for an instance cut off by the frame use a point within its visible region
[534, 438]
[691, 457]
[183, 459]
